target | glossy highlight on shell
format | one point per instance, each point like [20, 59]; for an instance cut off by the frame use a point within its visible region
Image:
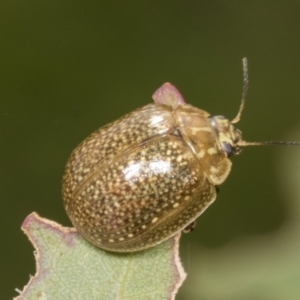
[141, 179]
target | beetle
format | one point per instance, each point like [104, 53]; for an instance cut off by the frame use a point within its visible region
[141, 179]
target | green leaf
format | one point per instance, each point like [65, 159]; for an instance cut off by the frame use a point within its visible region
[68, 267]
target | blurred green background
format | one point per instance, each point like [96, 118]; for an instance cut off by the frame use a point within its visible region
[69, 67]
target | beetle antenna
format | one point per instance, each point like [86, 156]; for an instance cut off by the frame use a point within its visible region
[245, 89]
[242, 143]
[282, 143]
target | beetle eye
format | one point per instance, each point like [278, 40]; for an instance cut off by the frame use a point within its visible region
[228, 149]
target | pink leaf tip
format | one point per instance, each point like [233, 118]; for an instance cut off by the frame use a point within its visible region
[168, 95]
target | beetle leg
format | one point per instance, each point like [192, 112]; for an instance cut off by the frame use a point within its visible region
[190, 227]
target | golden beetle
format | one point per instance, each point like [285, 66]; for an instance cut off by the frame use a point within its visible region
[141, 179]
